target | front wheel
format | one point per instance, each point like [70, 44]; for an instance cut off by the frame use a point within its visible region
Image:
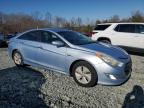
[18, 59]
[84, 74]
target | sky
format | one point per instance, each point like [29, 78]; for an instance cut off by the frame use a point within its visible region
[92, 9]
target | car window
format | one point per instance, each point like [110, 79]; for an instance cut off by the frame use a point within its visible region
[48, 37]
[101, 27]
[75, 37]
[117, 28]
[139, 28]
[128, 28]
[32, 36]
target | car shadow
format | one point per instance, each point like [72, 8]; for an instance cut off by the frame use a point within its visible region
[134, 99]
[20, 88]
[134, 51]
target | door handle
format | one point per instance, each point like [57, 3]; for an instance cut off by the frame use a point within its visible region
[40, 47]
[69, 55]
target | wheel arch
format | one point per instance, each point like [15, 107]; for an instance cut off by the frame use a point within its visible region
[76, 61]
[13, 52]
[104, 38]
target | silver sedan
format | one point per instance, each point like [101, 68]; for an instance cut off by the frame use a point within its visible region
[72, 53]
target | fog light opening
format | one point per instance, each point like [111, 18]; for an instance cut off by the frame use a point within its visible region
[112, 77]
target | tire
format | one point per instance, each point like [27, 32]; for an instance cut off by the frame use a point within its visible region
[18, 59]
[105, 41]
[84, 74]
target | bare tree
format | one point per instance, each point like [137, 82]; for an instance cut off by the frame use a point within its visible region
[19, 22]
[137, 16]
[79, 22]
[98, 22]
[48, 18]
[114, 18]
[1, 18]
[36, 15]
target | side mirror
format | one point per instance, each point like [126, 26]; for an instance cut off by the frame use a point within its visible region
[58, 43]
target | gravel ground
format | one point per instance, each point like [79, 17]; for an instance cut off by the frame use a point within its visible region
[36, 88]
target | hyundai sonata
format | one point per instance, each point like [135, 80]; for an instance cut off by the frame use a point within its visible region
[72, 53]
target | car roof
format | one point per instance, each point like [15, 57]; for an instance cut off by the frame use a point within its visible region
[121, 23]
[56, 30]
[52, 29]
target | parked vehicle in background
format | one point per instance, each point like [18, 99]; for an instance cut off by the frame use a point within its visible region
[1, 40]
[4, 40]
[8, 37]
[88, 34]
[72, 53]
[129, 35]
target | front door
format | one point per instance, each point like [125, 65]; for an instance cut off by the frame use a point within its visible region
[50, 55]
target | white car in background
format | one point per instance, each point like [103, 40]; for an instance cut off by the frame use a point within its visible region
[129, 35]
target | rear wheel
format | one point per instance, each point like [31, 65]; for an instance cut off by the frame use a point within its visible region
[84, 74]
[105, 41]
[18, 59]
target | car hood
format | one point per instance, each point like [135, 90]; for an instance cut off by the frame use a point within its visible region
[108, 49]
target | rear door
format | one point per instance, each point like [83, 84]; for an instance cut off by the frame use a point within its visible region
[139, 34]
[124, 35]
[29, 45]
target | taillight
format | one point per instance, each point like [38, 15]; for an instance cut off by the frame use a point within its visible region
[93, 33]
[89, 34]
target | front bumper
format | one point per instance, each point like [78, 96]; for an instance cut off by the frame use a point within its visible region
[108, 75]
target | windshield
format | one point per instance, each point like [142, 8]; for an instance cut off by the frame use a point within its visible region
[75, 37]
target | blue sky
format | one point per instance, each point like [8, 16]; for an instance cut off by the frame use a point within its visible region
[92, 9]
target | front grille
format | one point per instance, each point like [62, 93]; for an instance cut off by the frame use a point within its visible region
[128, 68]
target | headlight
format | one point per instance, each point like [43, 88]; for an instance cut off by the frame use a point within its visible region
[109, 60]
